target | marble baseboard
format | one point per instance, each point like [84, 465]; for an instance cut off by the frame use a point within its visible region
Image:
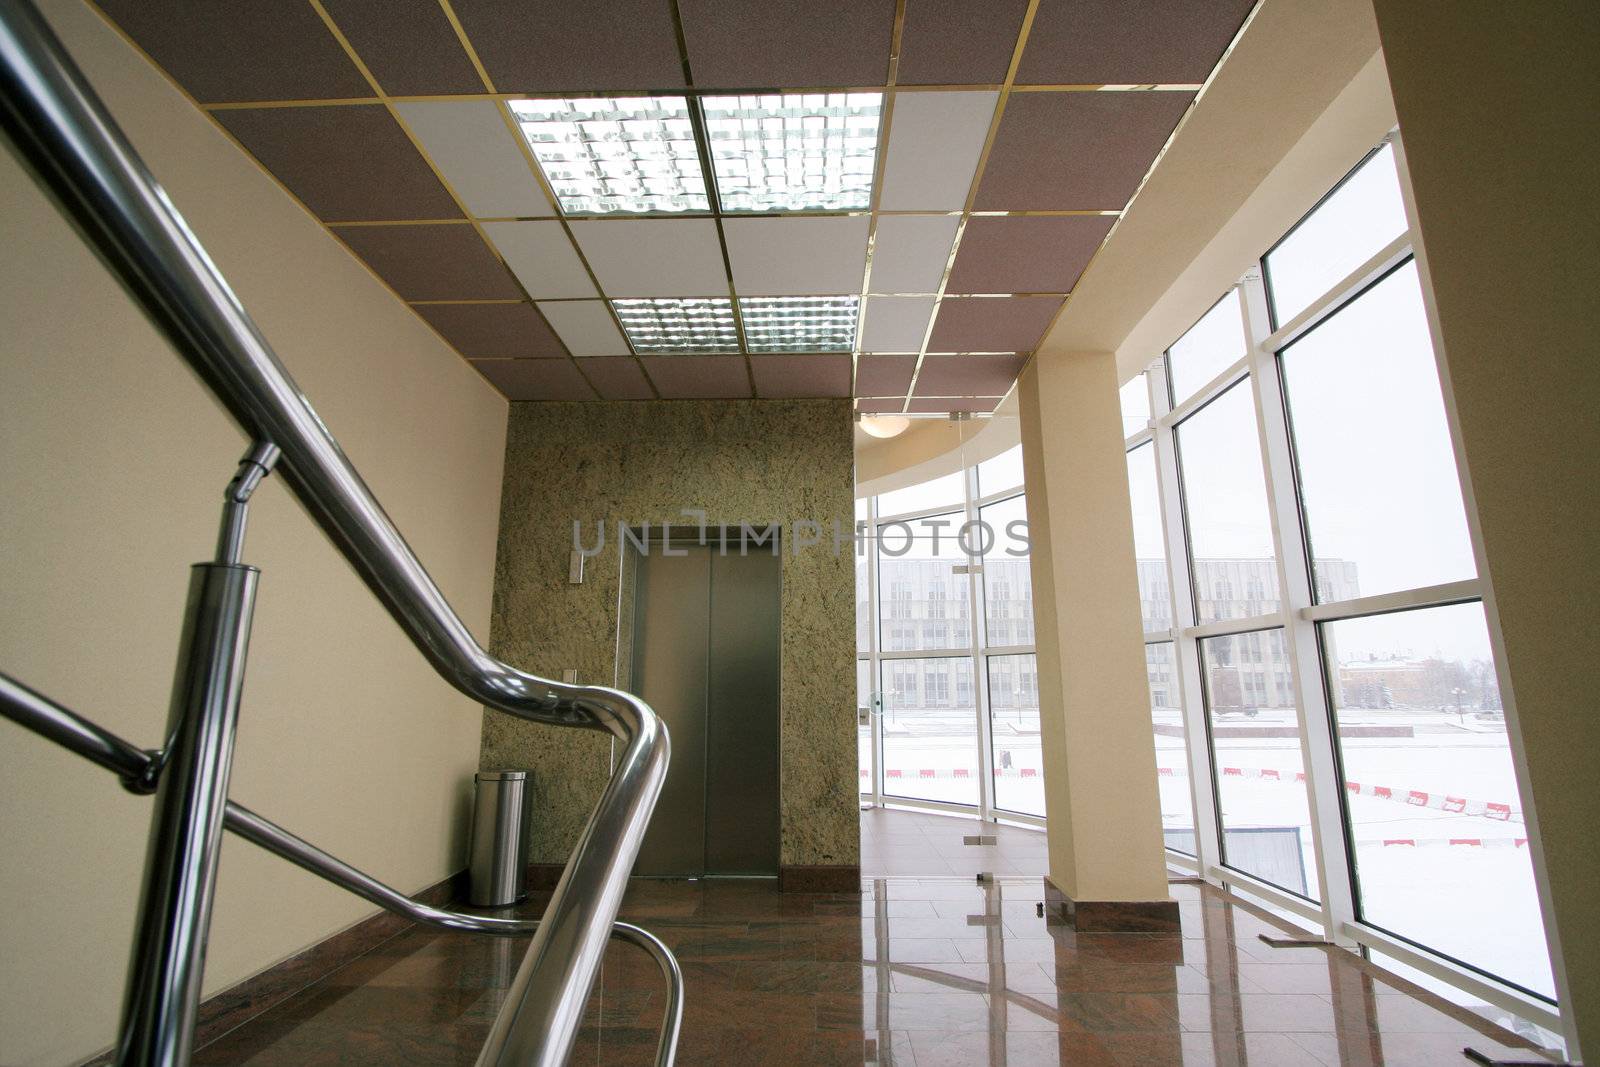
[1112, 916]
[544, 875]
[839, 878]
[238, 1004]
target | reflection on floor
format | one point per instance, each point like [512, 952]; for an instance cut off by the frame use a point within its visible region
[926, 972]
[908, 843]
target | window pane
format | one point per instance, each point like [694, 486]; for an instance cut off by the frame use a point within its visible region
[864, 732]
[930, 729]
[1007, 578]
[1348, 228]
[1441, 844]
[1255, 736]
[1149, 546]
[1002, 472]
[1135, 404]
[949, 490]
[1172, 759]
[1211, 346]
[1378, 477]
[922, 602]
[1014, 721]
[1232, 560]
[863, 605]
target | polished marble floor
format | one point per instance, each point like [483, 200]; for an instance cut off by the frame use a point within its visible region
[913, 971]
[896, 843]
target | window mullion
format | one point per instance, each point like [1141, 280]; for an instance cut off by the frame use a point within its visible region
[978, 613]
[1323, 780]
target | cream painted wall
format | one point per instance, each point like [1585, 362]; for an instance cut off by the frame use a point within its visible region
[1496, 109]
[112, 464]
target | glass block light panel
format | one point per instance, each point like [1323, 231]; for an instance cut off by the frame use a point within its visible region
[799, 323]
[793, 151]
[628, 155]
[694, 324]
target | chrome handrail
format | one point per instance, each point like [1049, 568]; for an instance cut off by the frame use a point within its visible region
[63, 132]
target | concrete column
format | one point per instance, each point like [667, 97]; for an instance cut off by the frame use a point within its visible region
[1496, 108]
[1106, 854]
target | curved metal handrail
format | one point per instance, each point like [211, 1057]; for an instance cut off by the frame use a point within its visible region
[64, 133]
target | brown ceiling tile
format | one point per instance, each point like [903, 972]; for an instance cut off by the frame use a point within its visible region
[788, 44]
[226, 53]
[968, 375]
[535, 379]
[616, 377]
[891, 405]
[957, 42]
[560, 47]
[348, 164]
[698, 377]
[817, 375]
[408, 45]
[1128, 42]
[937, 405]
[494, 331]
[1076, 151]
[884, 375]
[1000, 324]
[432, 262]
[1023, 254]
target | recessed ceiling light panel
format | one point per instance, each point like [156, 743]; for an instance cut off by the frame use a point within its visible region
[799, 323]
[626, 155]
[793, 151]
[693, 324]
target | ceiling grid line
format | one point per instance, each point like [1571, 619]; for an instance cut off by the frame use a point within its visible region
[879, 164]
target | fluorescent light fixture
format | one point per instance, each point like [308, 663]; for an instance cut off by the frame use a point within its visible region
[799, 323]
[625, 155]
[692, 324]
[884, 426]
[793, 151]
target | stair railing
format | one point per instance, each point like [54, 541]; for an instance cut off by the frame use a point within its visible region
[65, 135]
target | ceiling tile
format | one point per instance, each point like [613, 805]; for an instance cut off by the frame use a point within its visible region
[348, 164]
[896, 323]
[470, 143]
[884, 375]
[890, 405]
[586, 327]
[227, 53]
[818, 375]
[968, 375]
[542, 258]
[956, 42]
[654, 257]
[1076, 151]
[616, 378]
[797, 256]
[408, 45]
[981, 324]
[446, 262]
[535, 379]
[494, 331]
[1026, 254]
[1128, 42]
[788, 44]
[935, 140]
[939, 405]
[698, 377]
[528, 48]
[910, 252]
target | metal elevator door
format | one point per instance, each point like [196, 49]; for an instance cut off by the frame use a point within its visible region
[705, 656]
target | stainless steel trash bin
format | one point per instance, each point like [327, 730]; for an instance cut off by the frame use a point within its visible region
[501, 811]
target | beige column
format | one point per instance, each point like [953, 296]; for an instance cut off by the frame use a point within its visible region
[1496, 107]
[1099, 751]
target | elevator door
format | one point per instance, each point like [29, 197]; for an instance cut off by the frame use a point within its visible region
[706, 658]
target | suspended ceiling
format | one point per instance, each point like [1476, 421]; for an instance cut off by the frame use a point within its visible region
[827, 198]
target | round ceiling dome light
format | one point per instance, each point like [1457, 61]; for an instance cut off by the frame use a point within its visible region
[885, 425]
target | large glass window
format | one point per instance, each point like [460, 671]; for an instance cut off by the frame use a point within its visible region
[930, 729]
[1232, 561]
[1149, 539]
[946, 491]
[1211, 346]
[924, 596]
[1007, 575]
[1172, 751]
[1135, 399]
[1014, 725]
[864, 729]
[1001, 473]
